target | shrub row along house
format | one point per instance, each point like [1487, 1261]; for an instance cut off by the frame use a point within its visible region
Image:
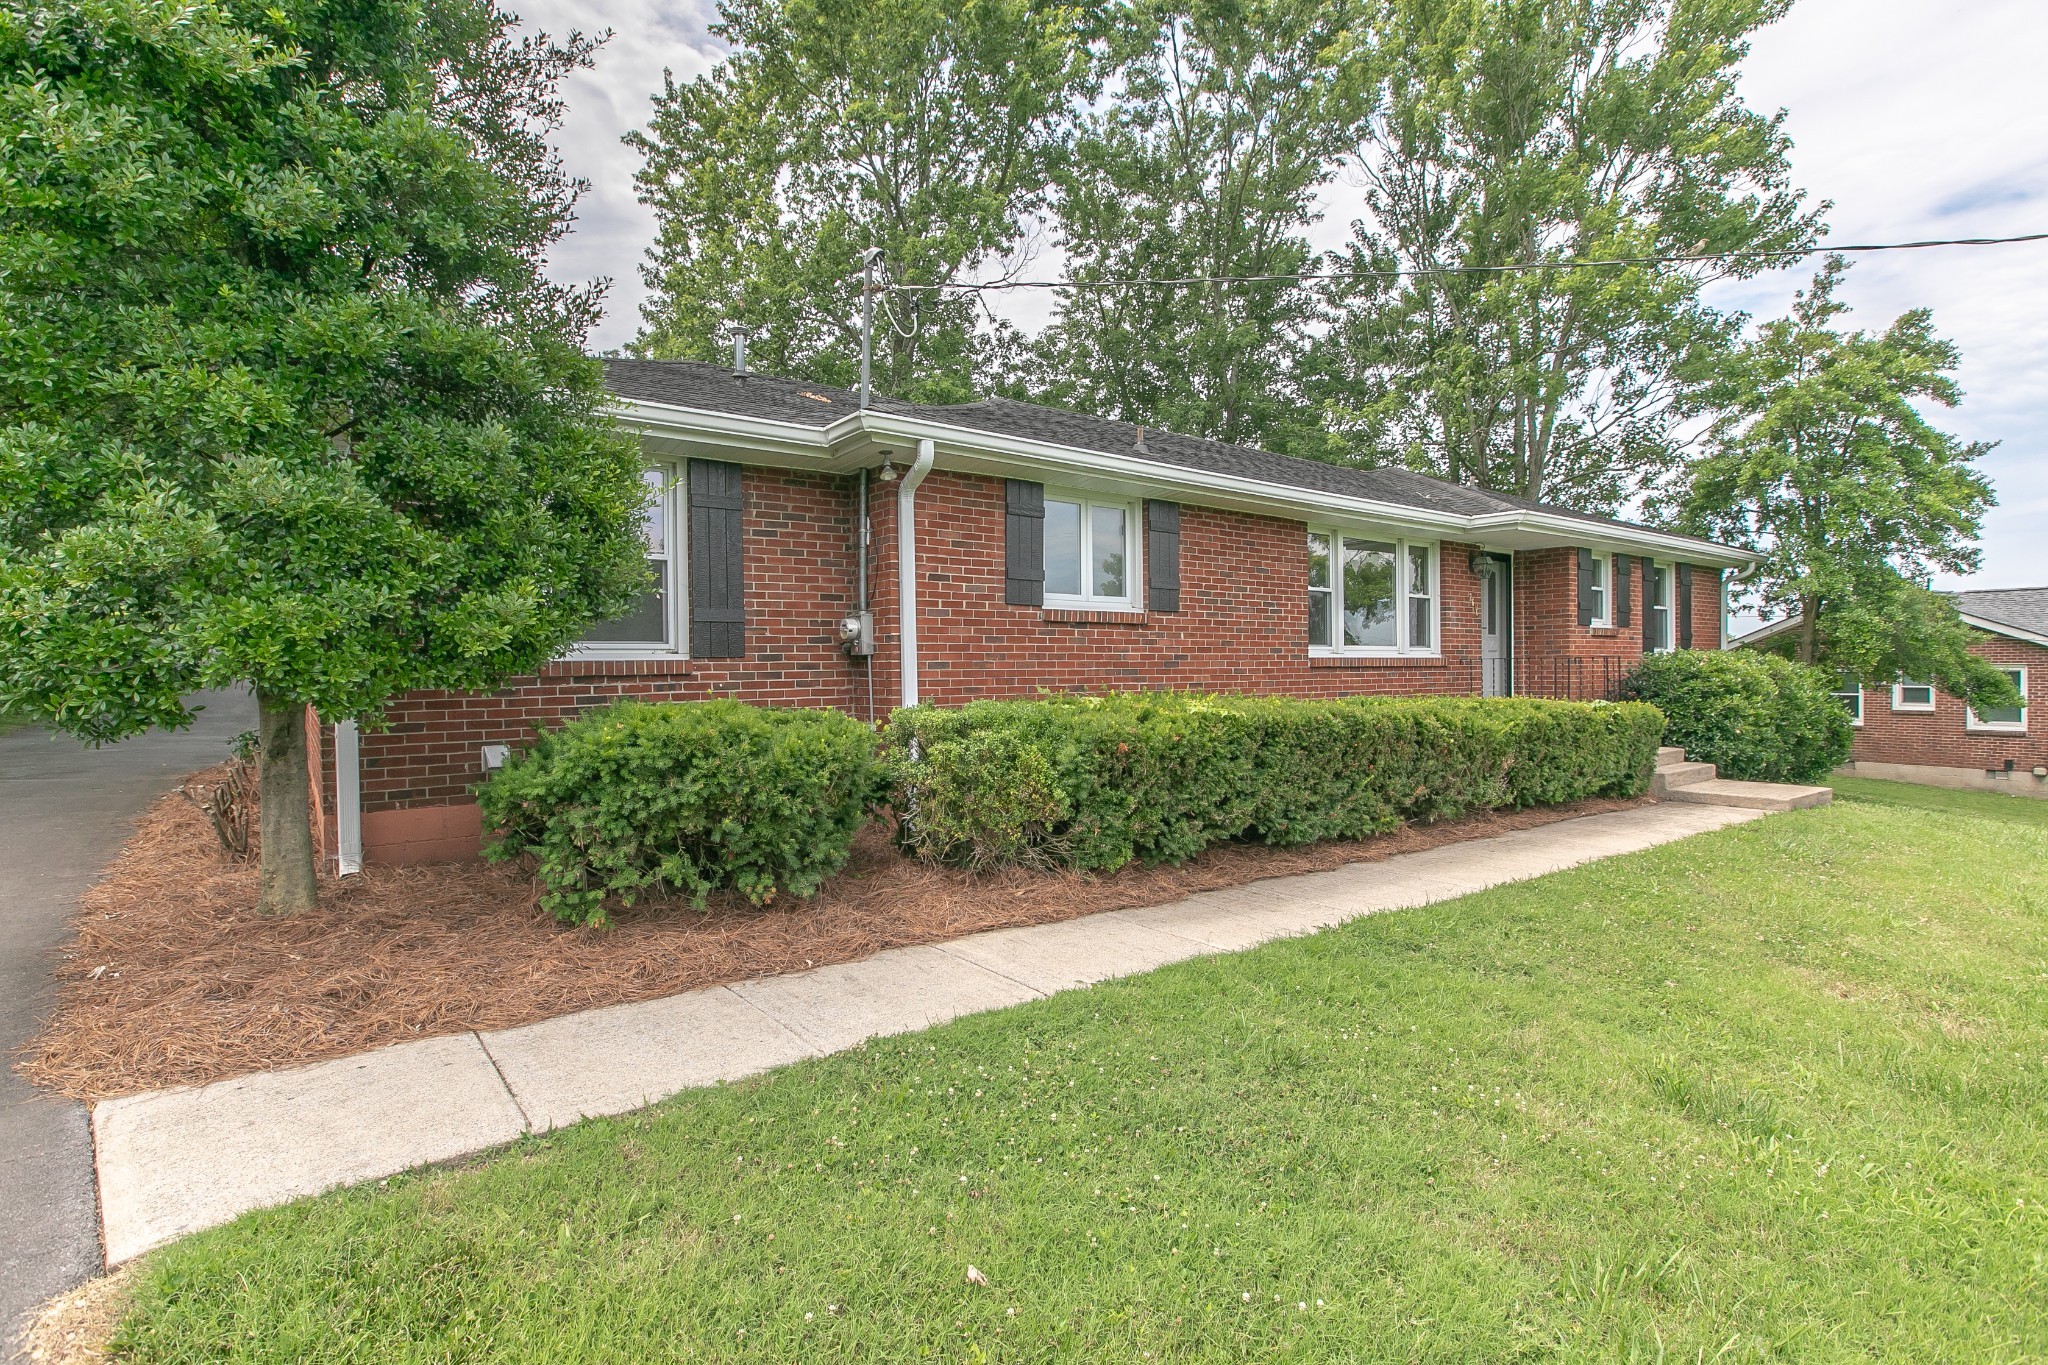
[1915, 732]
[806, 550]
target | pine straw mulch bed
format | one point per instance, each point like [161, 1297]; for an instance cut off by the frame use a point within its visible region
[174, 980]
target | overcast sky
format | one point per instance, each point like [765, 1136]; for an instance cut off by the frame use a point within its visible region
[1917, 118]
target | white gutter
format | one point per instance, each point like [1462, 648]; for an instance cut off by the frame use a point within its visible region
[348, 799]
[823, 444]
[906, 564]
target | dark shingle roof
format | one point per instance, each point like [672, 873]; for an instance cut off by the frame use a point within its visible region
[2021, 608]
[715, 388]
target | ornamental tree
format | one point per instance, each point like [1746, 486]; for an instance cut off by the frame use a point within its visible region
[1821, 457]
[284, 397]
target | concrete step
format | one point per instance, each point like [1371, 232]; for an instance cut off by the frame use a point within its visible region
[1670, 777]
[1721, 791]
[1670, 754]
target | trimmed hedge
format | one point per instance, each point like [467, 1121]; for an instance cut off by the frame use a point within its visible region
[1094, 782]
[1757, 717]
[685, 796]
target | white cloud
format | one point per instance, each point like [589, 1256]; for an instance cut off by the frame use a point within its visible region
[1917, 118]
[613, 230]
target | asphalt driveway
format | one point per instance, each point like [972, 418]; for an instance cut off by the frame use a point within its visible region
[64, 810]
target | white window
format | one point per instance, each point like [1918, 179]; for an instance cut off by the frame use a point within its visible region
[1369, 595]
[2010, 720]
[1596, 588]
[1657, 607]
[654, 623]
[1850, 694]
[1091, 553]
[1912, 696]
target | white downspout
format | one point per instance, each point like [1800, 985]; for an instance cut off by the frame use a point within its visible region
[348, 799]
[906, 564]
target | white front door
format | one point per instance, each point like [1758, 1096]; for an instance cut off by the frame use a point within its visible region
[1496, 629]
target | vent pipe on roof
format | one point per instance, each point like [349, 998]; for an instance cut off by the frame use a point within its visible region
[739, 352]
[1141, 442]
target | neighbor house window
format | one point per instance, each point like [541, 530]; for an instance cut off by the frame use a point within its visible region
[1912, 696]
[1657, 606]
[649, 627]
[2010, 719]
[1596, 588]
[1850, 694]
[1368, 595]
[1090, 553]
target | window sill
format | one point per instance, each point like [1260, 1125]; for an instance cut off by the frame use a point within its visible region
[2015, 731]
[1377, 661]
[1912, 710]
[1096, 616]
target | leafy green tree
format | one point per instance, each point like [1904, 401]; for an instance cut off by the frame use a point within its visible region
[284, 398]
[1820, 458]
[1223, 119]
[920, 128]
[1525, 132]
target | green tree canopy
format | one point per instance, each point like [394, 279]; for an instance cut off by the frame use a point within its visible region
[1226, 118]
[284, 398]
[1524, 132]
[1819, 456]
[921, 128]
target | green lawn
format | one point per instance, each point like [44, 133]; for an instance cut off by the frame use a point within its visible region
[1775, 1093]
[1912, 796]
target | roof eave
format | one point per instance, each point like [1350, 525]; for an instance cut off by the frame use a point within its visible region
[2002, 628]
[852, 440]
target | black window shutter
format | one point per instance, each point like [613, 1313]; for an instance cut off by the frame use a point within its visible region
[1585, 587]
[718, 628]
[1650, 617]
[1622, 589]
[1162, 556]
[1024, 543]
[1684, 577]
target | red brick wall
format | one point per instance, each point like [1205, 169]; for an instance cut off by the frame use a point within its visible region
[1242, 627]
[1938, 738]
[1556, 656]
[799, 583]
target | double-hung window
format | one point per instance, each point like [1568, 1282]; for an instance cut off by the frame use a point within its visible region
[1850, 693]
[1597, 578]
[1368, 595]
[1091, 552]
[1657, 607]
[652, 624]
[2010, 720]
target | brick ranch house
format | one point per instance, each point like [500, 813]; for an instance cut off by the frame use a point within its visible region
[1915, 732]
[805, 551]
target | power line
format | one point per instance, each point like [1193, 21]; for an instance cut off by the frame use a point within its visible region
[1512, 268]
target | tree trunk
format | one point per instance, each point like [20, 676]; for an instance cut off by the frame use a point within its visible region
[1809, 614]
[285, 882]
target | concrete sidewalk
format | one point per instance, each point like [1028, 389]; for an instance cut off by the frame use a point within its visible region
[175, 1161]
[65, 809]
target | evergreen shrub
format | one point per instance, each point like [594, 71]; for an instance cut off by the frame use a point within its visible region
[1756, 717]
[684, 796]
[1096, 781]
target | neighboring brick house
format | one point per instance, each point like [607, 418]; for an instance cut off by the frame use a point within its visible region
[1914, 732]
[1047, 550]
